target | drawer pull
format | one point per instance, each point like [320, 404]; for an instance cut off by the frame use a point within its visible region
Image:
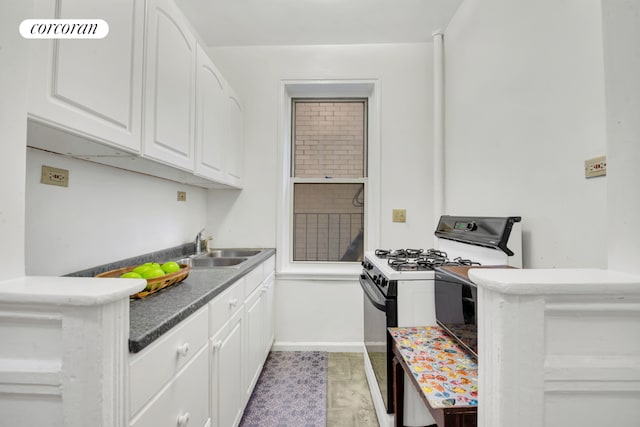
[216, 345]
[233, 302]
[183, 420]
[183, 349]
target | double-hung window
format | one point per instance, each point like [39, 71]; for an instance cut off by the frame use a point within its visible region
[328, 178]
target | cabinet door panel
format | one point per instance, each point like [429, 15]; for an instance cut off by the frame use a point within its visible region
[185, 397]
[210, 119]
[255, 328]
[227, 399]
[93, 86]
[235, 144]
[269, 322]
[155, 365]
[170, 87]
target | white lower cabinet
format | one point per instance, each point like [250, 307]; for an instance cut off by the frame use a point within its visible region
[227, 348]
[167, 385]
[255, 309]
[183, 401]
[269, 317]
[203, 372]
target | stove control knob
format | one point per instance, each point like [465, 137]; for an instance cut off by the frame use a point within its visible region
[472, 226]
[367, 265]
[384, 282]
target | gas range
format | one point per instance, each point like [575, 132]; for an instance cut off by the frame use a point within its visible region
[408, 264]
[399, 290]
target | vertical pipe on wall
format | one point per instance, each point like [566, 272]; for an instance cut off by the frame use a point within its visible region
[438, 126]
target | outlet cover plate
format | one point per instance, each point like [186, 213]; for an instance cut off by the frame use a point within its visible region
[54, 176]
[595, 167]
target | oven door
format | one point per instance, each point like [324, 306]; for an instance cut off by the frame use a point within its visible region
[456, 309]
[380, 313]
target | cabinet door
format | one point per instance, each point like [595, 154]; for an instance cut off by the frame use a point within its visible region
[234, 146]
[211, 118]
[227, 398]
[255, 338]
[91, 87]
[269, 319]
[183, 401]
[169, 87]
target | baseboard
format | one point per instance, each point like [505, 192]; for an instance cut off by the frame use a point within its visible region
[332, 347]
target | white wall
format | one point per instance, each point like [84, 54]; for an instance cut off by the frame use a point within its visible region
[13, 134]
[621, 22]
[249, 218]
[524, 109]
[106, 214]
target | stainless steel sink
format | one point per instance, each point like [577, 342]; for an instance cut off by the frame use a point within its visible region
[230, 253]
[219, 258]
[216, 262]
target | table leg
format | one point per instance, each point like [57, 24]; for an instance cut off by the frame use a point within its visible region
[398, 392]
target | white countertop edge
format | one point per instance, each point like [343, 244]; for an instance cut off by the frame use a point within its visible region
[74, 291]
[556, 281]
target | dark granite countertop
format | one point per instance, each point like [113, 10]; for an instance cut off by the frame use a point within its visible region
[156, 314]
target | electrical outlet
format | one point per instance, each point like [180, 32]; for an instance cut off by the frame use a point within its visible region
[54, 176]
[182, 196]
[399, 215]
[595, 167]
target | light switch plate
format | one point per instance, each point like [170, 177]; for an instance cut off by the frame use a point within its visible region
[595, 167]
[182, 196]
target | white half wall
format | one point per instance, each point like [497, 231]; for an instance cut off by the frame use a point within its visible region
[524, 109]
[621, 23]
[248, 218]
[106, 214]
[13, 135]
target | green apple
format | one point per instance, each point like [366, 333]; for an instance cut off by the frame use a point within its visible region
[152, 273]
[141, 269]
[131, 275]
[170, 267]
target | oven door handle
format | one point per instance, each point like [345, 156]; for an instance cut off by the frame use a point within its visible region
[372, 293]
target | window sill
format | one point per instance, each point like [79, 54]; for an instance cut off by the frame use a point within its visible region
[321, 272]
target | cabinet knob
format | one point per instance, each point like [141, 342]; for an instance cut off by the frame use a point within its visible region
[216, 345]
[233, 302]
[183, 420]
[183, 349]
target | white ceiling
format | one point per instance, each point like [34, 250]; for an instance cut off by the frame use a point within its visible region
[303, 22]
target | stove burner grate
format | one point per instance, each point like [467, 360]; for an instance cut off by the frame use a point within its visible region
[419, 259]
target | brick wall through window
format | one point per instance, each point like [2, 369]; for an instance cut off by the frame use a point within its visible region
[329, 139]
[328, 146]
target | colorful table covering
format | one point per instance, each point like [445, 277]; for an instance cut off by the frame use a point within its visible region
[447, 375]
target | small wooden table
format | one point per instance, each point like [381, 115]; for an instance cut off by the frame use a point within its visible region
[445, 376]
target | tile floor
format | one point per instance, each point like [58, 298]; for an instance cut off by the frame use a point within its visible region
[349, 401]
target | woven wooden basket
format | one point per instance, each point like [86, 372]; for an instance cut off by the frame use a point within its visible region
[153, 285]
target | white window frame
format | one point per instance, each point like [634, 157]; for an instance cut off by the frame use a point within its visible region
[330, 89]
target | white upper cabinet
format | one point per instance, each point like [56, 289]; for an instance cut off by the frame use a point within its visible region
[219, 125]
[145, 98]
[91, 87]
[234, 146]
[210, 118]
[169, 86]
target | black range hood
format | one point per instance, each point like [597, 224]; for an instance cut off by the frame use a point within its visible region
[489, 232]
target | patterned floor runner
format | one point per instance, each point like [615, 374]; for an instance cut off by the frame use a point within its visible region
[291, 391]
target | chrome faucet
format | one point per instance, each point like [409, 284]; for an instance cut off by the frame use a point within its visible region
[199, 242]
